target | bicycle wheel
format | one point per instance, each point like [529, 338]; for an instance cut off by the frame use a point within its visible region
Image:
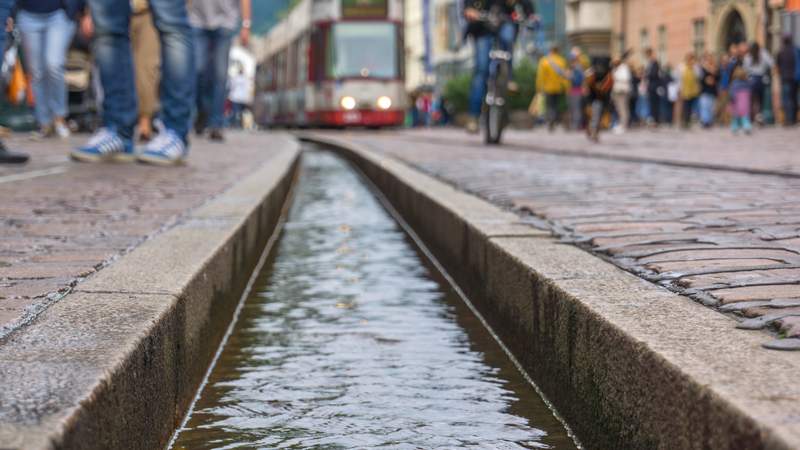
[495, 113]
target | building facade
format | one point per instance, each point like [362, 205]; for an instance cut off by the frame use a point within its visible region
[676, 27]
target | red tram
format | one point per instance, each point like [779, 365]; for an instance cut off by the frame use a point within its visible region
[334, 63]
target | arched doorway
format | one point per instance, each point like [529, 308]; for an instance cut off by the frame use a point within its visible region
[733, 30]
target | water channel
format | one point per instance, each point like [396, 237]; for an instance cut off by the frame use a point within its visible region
[350, 339]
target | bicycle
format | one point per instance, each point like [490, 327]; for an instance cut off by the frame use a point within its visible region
[495, 114]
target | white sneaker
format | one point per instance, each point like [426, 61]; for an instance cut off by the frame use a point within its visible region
[166, 149]
[62, 130]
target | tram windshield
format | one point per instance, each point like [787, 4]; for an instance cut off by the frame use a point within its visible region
[363, 49]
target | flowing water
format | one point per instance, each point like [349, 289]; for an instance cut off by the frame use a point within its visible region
[349, 339]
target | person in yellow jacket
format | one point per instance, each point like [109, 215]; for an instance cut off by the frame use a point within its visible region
[552, 80]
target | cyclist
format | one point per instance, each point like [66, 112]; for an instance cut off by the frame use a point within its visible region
[483, 38]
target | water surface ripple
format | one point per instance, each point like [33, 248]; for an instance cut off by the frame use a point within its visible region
[349, 341]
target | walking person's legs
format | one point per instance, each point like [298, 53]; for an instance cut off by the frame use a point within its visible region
[598, 109]
[112, 54]
[202, 61]
[178, 80]
[480, 75]
[551, 101]
[655, 107]
[789, 102]
[222, 39]
[58, 38]
[621, 104]
[33, 29]
[706, 110]
[147, 61]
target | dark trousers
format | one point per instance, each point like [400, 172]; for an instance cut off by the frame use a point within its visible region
[655, 106]
[553, 105]
[689, 107]
[789, 101]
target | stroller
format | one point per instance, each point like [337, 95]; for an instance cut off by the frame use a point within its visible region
[82, 101]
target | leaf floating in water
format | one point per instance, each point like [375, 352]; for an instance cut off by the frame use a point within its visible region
[344, 228]
[345, 305]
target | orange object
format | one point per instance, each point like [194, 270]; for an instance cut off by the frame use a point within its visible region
[18, 85]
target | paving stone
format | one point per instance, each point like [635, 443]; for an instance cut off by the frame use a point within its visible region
[57, 227]
[703, 213]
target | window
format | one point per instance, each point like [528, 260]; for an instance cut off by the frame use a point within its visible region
[644, 42]
[363, 49]
[699, 42]
[662, 45]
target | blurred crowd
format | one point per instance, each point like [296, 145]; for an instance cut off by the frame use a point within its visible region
[148, 69]
[734, 89]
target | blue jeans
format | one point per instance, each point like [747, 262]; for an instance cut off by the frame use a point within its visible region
[706, 107]
[212, 52]
[506, 36]
[5, 11]
[45, 41]
[112, 50]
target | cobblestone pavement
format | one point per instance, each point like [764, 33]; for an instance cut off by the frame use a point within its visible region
[61, 221]
[771, 150]
[728, 238]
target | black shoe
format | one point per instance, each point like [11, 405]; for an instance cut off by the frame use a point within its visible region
[200, 123]
[216, 135]
[7, 157]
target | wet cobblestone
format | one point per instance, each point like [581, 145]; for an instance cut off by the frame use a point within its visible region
[724, 237]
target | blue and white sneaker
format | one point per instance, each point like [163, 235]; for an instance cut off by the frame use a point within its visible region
[166, 149]
[105, 145]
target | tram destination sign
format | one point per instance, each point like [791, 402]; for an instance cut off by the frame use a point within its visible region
[364, 9]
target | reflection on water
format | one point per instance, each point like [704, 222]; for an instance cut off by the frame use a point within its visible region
[348, 342]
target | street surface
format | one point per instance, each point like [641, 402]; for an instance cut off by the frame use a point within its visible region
[61, 221]
[705, 213]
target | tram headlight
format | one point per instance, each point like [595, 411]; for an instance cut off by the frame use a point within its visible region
[348, 103]
[384, 102]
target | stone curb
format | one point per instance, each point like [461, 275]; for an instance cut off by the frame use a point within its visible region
[116, 363]
[628, 364]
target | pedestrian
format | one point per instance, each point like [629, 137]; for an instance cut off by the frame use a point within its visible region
[7, 156]
[787, 69]
[575, 94]
[671, 86]
[146, 62]
[47, 28]
[633, 99]
[652, 77]
[740, 101]
[599, 84]
[729, 62]
[240, 95]
[552, 80]
[642, 102]
[114, 140]
[215, 23]
[758, 65]
[689, 88]
[621, 92]
[708, 90]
